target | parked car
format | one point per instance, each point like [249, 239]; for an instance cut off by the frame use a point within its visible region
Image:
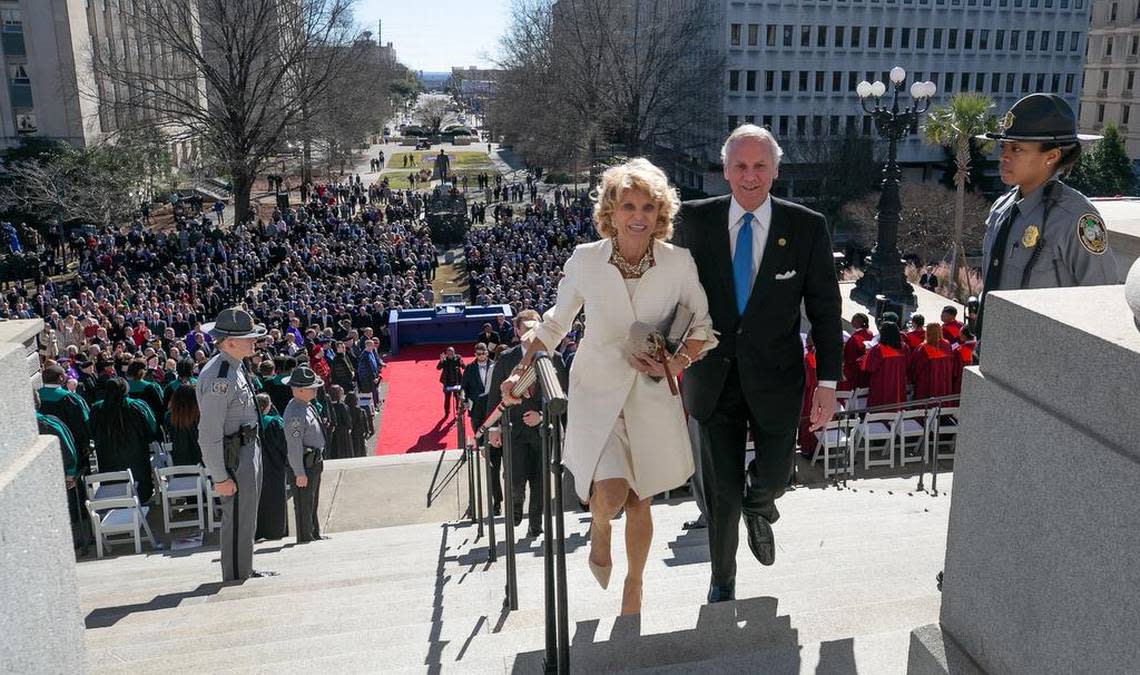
[423, 144]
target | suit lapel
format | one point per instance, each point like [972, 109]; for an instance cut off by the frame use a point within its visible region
[720, 252]
[774, 254]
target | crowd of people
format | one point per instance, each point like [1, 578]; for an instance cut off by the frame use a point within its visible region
[123, 341]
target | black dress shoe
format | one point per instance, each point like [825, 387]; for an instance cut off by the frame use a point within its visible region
[760, 539]
[698, 524]
[258, 574]
[718, 593]
[533, 532]
[498, 509]
[518, 519]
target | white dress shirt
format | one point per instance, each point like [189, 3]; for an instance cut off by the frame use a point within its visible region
[485, 375]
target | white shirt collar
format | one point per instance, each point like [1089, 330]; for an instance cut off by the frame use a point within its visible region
[762, 213]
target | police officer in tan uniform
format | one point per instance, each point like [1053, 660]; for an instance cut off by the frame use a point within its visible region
[1042, 233]
[305, 441]
[227, 432]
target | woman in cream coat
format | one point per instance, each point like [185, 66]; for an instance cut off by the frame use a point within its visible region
[626, 438]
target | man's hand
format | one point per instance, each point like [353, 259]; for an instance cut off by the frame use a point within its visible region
[505, 390]
[302, 481]
[532, 418]
[822, 407]
[70, 482]
[226, 488]
[495, 438]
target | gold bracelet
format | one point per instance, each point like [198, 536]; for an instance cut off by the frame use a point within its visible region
[688, 359]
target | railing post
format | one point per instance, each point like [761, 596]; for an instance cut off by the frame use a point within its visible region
[492, 554]
[512, 600]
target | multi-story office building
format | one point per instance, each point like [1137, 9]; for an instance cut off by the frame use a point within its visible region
[793, 65]
[48, 48]
[1110, 91]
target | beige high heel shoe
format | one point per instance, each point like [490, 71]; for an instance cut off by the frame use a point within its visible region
[601, 573]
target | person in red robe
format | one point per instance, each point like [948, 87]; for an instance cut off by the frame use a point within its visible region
[917, 333]
[951, 326]
[853, 351]
[885, 365]
[808, 441]
[963, 356]
[932, 366]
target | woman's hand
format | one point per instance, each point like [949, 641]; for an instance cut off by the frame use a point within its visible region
[642, 363]
[509, 384]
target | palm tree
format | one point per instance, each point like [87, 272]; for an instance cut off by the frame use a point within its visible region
[954, 126]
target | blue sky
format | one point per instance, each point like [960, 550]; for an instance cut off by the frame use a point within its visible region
[435, 35]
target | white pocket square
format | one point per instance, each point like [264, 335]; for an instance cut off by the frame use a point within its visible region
[786, 275]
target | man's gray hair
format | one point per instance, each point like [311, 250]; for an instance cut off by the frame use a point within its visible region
[754, 132]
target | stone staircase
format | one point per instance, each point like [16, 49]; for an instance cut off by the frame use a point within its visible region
[854, 574]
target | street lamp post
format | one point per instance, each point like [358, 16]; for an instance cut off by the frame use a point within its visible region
[885, 274]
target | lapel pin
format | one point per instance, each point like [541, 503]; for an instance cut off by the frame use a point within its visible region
[781, 242]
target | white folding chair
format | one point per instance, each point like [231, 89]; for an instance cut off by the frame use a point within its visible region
[859, 398]
[911, 435]
[944, 432]
[843, 399]
[877, 428]
[114, 508]
[177, 486]
[834, 442]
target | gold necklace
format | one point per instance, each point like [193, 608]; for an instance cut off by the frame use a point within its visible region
[628, 271]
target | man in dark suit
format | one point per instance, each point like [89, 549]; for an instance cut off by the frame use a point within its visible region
[758, 258]
[526, 446]
[476, 380]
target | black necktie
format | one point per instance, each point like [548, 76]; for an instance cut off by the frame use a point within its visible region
[997, 262]
[997, 253]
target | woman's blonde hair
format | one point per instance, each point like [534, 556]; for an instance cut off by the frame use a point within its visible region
[640, 174]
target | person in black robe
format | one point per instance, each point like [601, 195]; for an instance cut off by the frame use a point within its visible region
[181, 422]
[340, 446]
[359, 430]
[272, 511]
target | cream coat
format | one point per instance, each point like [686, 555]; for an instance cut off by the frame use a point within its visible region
[603, 384]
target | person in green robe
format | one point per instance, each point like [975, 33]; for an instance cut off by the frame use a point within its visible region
[123, 429]
[272, 513]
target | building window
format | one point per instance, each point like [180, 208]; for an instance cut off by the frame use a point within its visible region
[1030, 39]
[889, 38]
[855, 36]
[836, 81]
[821, 36]
[750, 119]
[1108, 46]
[817, 125]
[1125, 114]
[920, 38]
[965, 81]
[783, 125]
[769, 80]
[1104, 80]
[734, 37]
[839, 30]
[803, 80]
[952, 39]
[18, 74]
[734, 80]
[733, 121]
[1056, 82]
[949, 83]
[1040, 81]
[1112, 12]
[1099, 112]
[801, 125]
[937, 38]
[1135, 45]
[867, 125]
[1025, 83]
[13, 20]
[788, 35]
[983, 39]
[1069, 83]
[979, 82]
[805, 36]
[750, 81]
[1014, 39]
[852, 80]
[785, 80]
[1131, 80]
[753, 34]
[26, 123]
[1060, 46]
[1074, 41]
[873, 36]
[767, 122]
[771, 31]
[833, 125]
[999, 40]
[995, 83]
[968, 43]
[1044, 41]
[819, 75]
[1009, 83]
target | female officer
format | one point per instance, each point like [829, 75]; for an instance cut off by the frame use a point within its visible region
[1042, 233]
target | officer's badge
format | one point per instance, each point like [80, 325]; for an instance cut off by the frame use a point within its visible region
[1029, 237]
[1007, 121]
[220, 387]
[296, 427]
[1092, 233]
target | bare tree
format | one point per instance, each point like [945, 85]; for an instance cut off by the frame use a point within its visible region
[433, 110]
[234, 74]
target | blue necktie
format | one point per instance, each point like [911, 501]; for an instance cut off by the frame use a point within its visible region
[742, 264]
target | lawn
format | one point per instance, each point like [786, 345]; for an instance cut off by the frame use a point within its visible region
[467, 163]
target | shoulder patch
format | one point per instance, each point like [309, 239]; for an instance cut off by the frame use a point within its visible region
[296, 427]
[220, 387]
[1092, 233]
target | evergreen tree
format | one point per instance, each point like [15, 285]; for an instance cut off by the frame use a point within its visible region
[1105, 170]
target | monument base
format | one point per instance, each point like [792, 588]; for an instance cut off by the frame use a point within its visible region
[933, 652]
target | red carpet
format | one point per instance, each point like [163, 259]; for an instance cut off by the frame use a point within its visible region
[413, 408]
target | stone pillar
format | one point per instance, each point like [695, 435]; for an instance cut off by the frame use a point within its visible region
[40, 624]
[1041, 562]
